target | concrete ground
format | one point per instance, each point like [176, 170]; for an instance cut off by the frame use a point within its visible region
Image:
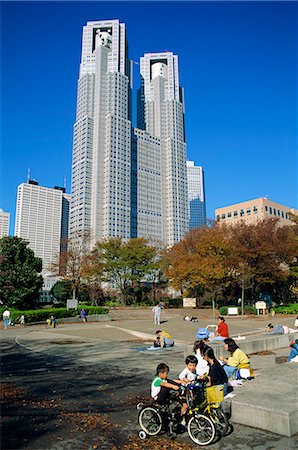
[77, 386]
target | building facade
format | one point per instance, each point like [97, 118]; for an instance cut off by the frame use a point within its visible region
[127, 182]
[4, 223]
[196, 195]
[40, 219]
[161, 114]
[101, 166]
[253, 211]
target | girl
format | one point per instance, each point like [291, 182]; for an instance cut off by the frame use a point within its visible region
[202, 368]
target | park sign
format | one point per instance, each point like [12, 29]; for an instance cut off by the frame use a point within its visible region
[71, 303]
[189, 302]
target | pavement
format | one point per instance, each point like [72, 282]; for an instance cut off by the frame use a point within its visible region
[77, 386]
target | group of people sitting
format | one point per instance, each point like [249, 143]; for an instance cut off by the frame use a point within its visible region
[202, 365]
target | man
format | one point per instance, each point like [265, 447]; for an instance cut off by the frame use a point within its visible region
[156, 311]
[222, 332]
[6, 318]
[275, 329]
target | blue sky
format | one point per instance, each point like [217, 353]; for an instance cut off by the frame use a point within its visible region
[238, 65]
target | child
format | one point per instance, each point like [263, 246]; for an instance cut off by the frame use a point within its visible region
[217, 375]
[189, 373]
[161, 386]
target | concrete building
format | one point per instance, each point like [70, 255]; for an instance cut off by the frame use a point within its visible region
[4, 223]
[41, 214]
[101, 165]
[253, 211]
[161, 114]
[196, 195]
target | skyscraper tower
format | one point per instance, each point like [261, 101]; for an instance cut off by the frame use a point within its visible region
[101, 166]
[161, 114]
[196, 195]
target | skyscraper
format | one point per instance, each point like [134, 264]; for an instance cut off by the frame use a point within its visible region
[161, 114]
[125, 182]
[4, 223]
[196, 195]
[40, 220]
[101, 167]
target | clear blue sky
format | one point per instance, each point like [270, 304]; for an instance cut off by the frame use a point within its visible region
[238, 65]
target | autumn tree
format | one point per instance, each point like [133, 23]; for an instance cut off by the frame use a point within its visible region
[71, 263]
[199, 261]
[20, 273]
[125, 264]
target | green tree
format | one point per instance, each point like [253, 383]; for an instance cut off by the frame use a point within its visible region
[20, 278]
[125, 264]
[62, 290]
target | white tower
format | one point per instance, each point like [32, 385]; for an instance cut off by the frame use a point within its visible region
[101, 164]
[196, 195]
[161, 113]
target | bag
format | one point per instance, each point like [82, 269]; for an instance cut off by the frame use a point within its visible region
[203, 333]
[215, 394]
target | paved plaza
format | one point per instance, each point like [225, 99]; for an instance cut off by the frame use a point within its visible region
[77, 386]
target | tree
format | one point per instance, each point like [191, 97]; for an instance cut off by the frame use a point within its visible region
[199, 261]
[20, 278]
[61, 290]
[125, 264]
[71, 262]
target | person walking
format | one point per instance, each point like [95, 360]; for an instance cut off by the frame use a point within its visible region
[22, 320]
[84, 315]
[156, 311]
[6, 318]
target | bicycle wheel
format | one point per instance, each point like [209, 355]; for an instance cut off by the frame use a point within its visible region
[221, 420]
[201, 429]
[150, 420]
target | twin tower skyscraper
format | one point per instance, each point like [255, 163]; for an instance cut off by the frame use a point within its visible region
[128, 182]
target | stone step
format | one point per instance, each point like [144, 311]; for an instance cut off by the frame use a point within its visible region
[270, 401]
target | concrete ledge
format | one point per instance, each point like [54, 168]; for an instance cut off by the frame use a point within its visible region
[270, 402]
[252, 344]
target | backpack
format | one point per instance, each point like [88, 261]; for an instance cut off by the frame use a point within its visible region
[203, 333]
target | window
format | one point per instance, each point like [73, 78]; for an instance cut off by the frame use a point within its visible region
[235, 213]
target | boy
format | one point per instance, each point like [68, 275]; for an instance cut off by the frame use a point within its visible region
[161, 387]
[189, 374]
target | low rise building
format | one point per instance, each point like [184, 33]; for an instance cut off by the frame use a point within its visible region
[252, 211]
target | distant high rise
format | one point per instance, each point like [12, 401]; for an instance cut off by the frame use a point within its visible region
[161, 114]
[40, 219]
[101, 166]
[196, 195]
[4, 223]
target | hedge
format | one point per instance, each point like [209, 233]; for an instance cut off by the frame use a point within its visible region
[223, 310]
[287, 309]
[40, 315]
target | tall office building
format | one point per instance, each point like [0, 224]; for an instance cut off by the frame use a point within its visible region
[161, 114]
[4, 223]
[127, 183]
[40, 220]
[196, 195]
[101, 166]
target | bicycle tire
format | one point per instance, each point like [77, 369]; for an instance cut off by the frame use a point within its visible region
[150, 420]
[201, 429]
[221, 420]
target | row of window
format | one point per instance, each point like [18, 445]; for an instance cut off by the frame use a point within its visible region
[254, 210]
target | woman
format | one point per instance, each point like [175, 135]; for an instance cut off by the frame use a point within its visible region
[202, 366]
[236, 359]
[217, 375]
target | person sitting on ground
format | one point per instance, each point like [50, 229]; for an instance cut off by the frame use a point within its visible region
[156, 343]
[275, 329]
[217, 375]
[237, 358]
[189, 374]
[166, 339]
[222, 330]
[293, 356]
[161, 387]
[296, 322]
[202, 368]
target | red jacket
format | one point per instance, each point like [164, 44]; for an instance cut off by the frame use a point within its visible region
[222, 330]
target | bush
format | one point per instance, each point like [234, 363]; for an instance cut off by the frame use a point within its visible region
[40, 315]
[223, 310]
[289, 309]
